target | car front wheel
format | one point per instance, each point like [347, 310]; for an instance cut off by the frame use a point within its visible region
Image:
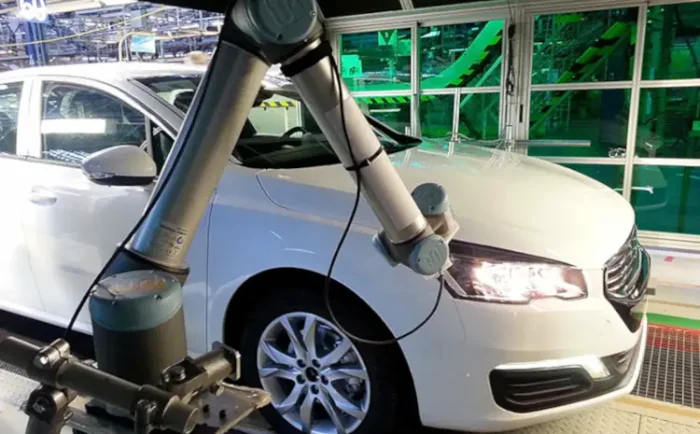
[319, 380]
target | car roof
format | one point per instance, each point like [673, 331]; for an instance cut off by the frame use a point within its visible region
[105, 71]
[117, 71]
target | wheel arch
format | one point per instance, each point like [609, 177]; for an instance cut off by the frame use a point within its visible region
[267, 283]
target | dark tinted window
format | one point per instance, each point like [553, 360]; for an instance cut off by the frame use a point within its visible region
[279, 132]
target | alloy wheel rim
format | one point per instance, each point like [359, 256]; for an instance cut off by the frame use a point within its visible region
[314, 374]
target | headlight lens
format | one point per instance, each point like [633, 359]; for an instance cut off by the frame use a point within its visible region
[489, 274]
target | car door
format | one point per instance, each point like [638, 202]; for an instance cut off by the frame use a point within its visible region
[18, 292]
[73, 225]
[73, 234]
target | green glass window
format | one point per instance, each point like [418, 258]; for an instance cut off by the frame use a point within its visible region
[596, 115]
[461, 55]
[584, 47]
[478, 115]
[436, 113]
[667, 198]
[394, 111]
[610, 175]
[376, 60]
[672, 42]
[669, 123]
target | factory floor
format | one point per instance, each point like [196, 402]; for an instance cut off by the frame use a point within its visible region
[666, 399]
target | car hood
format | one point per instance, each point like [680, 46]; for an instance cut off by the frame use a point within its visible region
[500, 199]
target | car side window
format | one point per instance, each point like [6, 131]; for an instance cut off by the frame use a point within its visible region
[10, 95]
[78, 121]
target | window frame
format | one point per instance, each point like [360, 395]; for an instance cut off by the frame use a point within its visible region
[21, 150]
[35, 110]
[515, 109]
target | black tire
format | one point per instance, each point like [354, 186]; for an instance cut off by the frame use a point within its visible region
[387, 383]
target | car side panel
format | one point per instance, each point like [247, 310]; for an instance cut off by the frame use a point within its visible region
[17, 288]
[70, 239]
[248, 237]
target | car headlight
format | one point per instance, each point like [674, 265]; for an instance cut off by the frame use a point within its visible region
[488, 274]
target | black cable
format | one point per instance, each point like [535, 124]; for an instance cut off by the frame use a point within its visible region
[122, 245]
[358, 191]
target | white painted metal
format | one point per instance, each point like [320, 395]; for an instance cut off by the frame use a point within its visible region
[122, 162]
[406, 5]
[563, 6]
[474, 12]
[634, 103]
[415, 79]
[683, 162]
[519, 104]
[505, 121]
[382, 93]
[483, 89]
[17, 195]
[291, 218]
[586, 160]
[464, 90]
[670, 241]
[593, 85]
[669, 2]
[555, 143]
[465, 18]
[456, 101]
[660, 84]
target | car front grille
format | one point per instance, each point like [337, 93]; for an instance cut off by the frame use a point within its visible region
[524, 391]
[623, 270]
[626, 277]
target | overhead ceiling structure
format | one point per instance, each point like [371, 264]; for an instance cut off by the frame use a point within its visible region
[331, 8]
[103, 30]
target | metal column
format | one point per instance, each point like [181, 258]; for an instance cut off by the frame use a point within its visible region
[37, 53]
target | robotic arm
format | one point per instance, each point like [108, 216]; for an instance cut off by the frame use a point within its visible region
[136, 306]
[257, 34]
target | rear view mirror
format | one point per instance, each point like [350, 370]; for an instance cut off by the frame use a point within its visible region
[124, 165]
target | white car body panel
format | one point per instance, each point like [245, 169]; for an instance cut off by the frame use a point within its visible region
[488, 191]
[15, 266]
[306, 226]
[263, 220]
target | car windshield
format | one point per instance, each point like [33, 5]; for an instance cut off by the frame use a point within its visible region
[279, 132]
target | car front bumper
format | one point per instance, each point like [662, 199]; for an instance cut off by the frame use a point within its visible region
[547, 333]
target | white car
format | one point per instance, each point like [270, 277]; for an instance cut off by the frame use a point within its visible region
[542, 314]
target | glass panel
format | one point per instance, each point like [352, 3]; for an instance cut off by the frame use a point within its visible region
[667, 199]
[281, 133]
[376, 60]
[478, 115]
[177, 90]
[78, 121]
[596, 115]
[10, 95]
[610, 175]
[461, 55]
[279, 115]
[584, 47]
[395, 111]
[436, 113]
[672, 42]
[669, 123]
